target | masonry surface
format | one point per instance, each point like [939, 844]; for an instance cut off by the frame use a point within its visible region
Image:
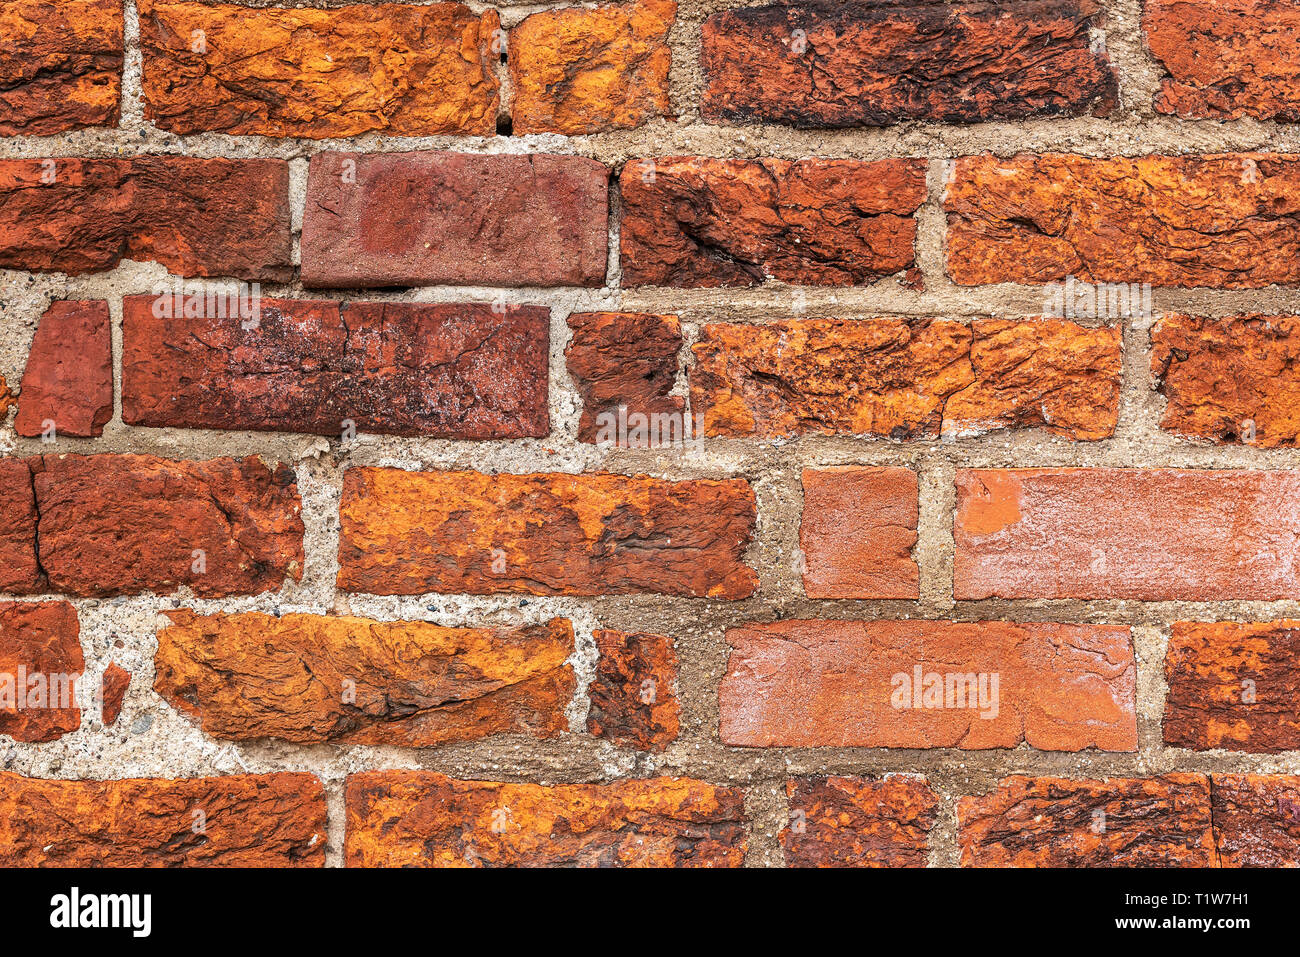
[638, 405]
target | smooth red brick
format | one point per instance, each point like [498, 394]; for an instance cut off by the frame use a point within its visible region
[421, 819]
[1227, 221]
[244, 820]
[1233, 686]
[446, 371]
[857, 531]
[415, 219]
[40, 666]
[1145, 534]
[829, 64]
[68, 380]
[634, 693]
[62, 68]
[1256, 819]
[1121, 822]
[407, 533]
[696, 221]
[858, 822]
[853, 684]
[1226, 59]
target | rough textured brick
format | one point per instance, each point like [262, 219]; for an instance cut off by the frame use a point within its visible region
[857, 822]
[249, 820]
[112, 691]
[63, 66]
[694, 221]
[905, 378]
[7, 399]
[43, 640]
[857, 532]
[69, 374]
[852, 684]
[1145, 534]
[1256, 819]
[386, 68]
[624, 359]
[1210, 703]
[583, 70]
[20, 572]
[1235, 379]
[414, 219]
[1122, 822]
[407, 533]
[634, 693]
[416, 818]
[448, 371]
[1230, 221]
[198, 217]
[124, 524]
[1227, 58]
[882, 62]
[311, 678]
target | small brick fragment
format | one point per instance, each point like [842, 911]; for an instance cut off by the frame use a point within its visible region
[40, 665]
[68, 380]
[858, 822]
[634, 694]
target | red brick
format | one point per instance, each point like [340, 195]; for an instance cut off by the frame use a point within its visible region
[1226, 221]
[244, 820]
[198, 217]
[1121, 822]
[40, 666]
[1256, 819]
[634, 693]
[63, 65]
[420, 819]
[407, 533]
[1226, 60]
[408, 219]
[1145, 534]
[69, 376]
[125, 524]
[857, 822]
[390, 68]
[316, 678]
[20, 571]
[695, 221]
[852, 684]
[857, 532]
[112, 691]
[827, 64]
[447, 371]
[1233, 686]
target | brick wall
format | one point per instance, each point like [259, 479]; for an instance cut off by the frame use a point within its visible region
[650, 433]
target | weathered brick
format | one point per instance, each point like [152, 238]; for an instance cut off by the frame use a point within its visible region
[858, 822]
[112, 691]
[829, 64]
[930, 684]
[626, 359]
[448, 371]
[387, 68]
[1226, 60]
[1235, 379]
[407, 533]
[20, 571]
[248, 820]
[406, 219]
[905, 378]
[125, 524]
[695, 221]
[198, 217]
[1121, 822]
[584, 70]
[7, 399]
[857, 532]
[634, 693]
[1233, 686]
[68, 380]
[312, 678]
[417, 818]
[1230, 221]
[1256, 819]
[1145, 534]
[63, 65]
[40, 666]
